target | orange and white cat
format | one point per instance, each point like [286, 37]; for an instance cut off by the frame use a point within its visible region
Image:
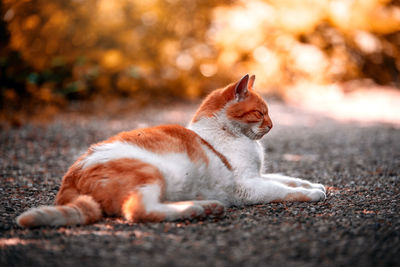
[171, 172]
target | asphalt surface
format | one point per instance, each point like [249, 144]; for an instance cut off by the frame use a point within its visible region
[357, 225]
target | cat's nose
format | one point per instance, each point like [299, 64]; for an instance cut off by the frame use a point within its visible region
[268, 122]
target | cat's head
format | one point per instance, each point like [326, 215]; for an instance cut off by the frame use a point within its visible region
[238, 108]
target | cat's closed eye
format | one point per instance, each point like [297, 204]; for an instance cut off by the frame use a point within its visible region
[254, 116]
[258, 114]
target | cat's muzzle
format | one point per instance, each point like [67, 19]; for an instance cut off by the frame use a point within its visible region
[259, 134]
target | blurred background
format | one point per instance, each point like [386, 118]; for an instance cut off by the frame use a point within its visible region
[336, 56]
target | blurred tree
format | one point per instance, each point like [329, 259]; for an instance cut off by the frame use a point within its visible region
[52, 51]
[287, 41]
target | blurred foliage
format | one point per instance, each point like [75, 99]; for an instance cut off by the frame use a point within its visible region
[54, 51]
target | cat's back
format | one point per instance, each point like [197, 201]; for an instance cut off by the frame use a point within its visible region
[162, 139]
[159, 140]
[185, 160]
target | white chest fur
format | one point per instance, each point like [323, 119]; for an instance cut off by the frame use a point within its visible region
[244, 155]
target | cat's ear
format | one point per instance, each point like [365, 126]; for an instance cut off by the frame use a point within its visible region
[251, 82]
[241, 88]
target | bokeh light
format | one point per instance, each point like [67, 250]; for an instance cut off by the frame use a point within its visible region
[54, 51]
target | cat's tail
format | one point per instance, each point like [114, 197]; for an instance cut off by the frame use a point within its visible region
[82, 210]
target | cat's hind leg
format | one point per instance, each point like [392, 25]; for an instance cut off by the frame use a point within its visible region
[144, 204]
[193, 209]
[293, 182]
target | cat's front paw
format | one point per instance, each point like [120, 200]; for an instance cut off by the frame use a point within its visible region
[192, 212]
[213, 207]
[317, 194]
[301, 194]
[310, 185]
[318, 186]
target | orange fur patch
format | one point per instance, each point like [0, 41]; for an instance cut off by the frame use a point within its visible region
[293, 184]
[296, 197]
[64, 212]
[90, 209]
[241, 110]
[214, 102]
[266, 122]
[293, 197]
[247, 109]
[26, 220]
[110, 183]
[133, 210]
[68, 191]
[164, 139]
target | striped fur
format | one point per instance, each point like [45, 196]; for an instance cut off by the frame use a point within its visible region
[171, 172]
[82, 210]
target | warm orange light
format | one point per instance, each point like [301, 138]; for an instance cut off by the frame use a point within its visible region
[6, 242]
[187, 48]
[366, 104]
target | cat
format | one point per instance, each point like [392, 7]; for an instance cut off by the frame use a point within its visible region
[170, 172]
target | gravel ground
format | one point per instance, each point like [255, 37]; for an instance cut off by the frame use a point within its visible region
[358, 224]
